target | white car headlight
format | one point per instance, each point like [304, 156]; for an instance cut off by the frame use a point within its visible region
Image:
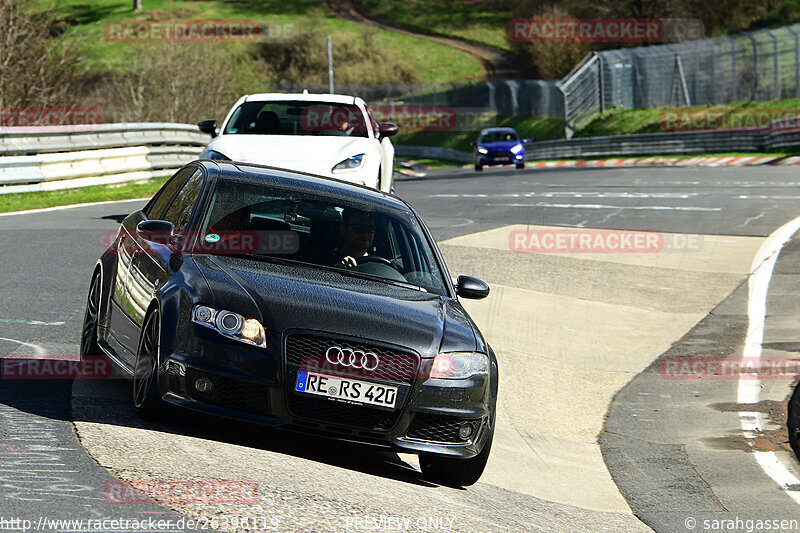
[230, 324]
[483, 150]
[459, 365]
[351, 163]
[516, 148]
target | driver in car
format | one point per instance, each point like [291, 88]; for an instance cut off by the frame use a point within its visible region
[358, 232]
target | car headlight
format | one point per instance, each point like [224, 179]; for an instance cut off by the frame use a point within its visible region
[483, 150]
[212, 154]
[230, 324]
[517, 148]
[351, 163]
[459, 365]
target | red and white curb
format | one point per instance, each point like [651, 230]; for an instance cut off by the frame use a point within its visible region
[730, 161]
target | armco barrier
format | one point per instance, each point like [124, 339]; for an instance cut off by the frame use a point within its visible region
[52, 159]
[672, 143]
[115, 153]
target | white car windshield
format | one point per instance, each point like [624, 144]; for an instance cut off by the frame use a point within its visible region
[297, 118]
[499, 136]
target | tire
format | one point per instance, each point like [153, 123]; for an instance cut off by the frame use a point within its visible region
[478, 167]
[89, 346]
[452, 472]
[146, 400]
[520, 166]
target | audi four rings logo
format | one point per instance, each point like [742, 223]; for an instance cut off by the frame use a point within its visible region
[352, 358]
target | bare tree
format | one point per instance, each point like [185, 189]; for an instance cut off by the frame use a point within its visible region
[37, 68]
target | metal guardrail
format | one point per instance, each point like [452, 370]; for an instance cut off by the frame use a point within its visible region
[671, 143]
[683, 143]
[433, 152]
[115, 153]
[52, 159]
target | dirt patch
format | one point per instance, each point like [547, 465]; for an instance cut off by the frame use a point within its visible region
[767, 440]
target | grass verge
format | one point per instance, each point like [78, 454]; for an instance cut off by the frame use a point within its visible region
[282, 20]
[99, 193]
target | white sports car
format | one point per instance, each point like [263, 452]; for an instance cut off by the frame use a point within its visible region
[324, 134]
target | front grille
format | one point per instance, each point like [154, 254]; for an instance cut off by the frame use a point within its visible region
[356, 416]
[309, 351]
[437, 428]
[231, 393]
[496, 155]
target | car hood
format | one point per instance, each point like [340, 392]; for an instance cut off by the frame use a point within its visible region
[287, 297]
[313, 154]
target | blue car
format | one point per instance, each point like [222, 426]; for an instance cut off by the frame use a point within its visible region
[499, 146]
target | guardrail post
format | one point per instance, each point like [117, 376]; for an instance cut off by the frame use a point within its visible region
[600, 83]
[755, 63]
[796, 61]
[734, 78]
[776, 91]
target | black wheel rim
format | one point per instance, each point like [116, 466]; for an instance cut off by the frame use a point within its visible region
[146, 361]
[89, 334]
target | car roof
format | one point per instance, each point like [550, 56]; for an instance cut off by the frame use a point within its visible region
[490, 130]
[303, 183]
[301, 97]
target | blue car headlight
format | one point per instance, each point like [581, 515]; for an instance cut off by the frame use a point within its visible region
[482, 150]
[212, 154]
[230, 324]
[351, 163]
[517, 148]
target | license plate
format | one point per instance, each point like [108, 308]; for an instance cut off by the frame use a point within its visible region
[346, 389]
[502, 159]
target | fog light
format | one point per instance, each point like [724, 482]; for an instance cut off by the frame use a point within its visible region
[203, 385]
[465, 431]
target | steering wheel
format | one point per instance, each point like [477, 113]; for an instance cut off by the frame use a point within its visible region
[376, 259]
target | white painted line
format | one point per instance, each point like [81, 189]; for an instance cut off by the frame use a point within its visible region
[758, 286]
[72, 206]
[600, 206]
[36, 348]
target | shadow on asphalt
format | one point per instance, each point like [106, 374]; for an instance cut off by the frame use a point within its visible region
[108, 402]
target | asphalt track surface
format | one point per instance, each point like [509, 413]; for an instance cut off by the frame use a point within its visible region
[684, 459]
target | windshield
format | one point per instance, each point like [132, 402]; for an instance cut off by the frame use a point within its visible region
[263, 222]
[499, 136]
[297, 118]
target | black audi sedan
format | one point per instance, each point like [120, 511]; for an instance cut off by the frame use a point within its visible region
[286, 299]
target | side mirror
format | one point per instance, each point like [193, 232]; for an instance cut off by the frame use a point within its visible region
[472, 288]
[158, 231]
[529, 140]
[387, 129]
[474, 143]
[208, 126]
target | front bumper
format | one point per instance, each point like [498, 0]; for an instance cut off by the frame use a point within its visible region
[499, 158]
[257, 385]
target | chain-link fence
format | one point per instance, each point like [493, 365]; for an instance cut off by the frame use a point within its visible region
[753, 66]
